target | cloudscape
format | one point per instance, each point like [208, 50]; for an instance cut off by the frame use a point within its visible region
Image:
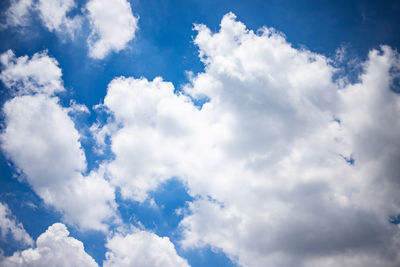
[199, 133]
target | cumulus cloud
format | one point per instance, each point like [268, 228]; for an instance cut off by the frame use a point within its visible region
[112, 23]
[40, 74]
[8, 225]
[53, 15]
[288, 166]
[56, 248]
[113, 26]
[136, 104]
[142, 249]
[41, 139]
[53, 248]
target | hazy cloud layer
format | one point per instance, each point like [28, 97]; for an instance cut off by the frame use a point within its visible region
[18, 12]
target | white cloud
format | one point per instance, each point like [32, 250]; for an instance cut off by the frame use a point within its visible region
[113, 26]
[265, 156]
[56, 248]
[18, 12]
[141, 249]
[53, 248]
[8, 225]
[300, 202]
[41, 139]
[40, 74]
[54, 16]
[112, 23]
[136, 104]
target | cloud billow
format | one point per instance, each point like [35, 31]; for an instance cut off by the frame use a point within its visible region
[287, 165]
[112, 24]
[265, 157]
[41, 139]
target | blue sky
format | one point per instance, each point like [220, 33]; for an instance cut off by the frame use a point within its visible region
[199, 133]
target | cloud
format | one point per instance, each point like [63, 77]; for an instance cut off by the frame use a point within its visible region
[40, 74]
[113, 26]
[56, 248]
[148, 112]
[297, 202]
[141, 249]
[17, 13]
[287, 165]
[112, 23]
[53, 15]
[8, 225]
[265, 157]
[53, 248]
[41, 139]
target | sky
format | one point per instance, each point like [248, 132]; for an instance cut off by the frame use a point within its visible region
[199, 133]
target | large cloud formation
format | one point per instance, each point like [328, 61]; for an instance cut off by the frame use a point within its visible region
[41, 139]
[288, 166]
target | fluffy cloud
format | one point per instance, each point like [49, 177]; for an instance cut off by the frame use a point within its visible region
[56, 248]
[54, 16]
[52, 13]
[112, 23]
[288, 167]
[142, 249]
[40, 74]
[41, 139]
[53, 248]
[147, 146]
[113, 26]
[8, 225]
[300, 204]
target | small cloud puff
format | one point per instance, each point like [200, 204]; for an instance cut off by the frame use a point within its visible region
[113, 26]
